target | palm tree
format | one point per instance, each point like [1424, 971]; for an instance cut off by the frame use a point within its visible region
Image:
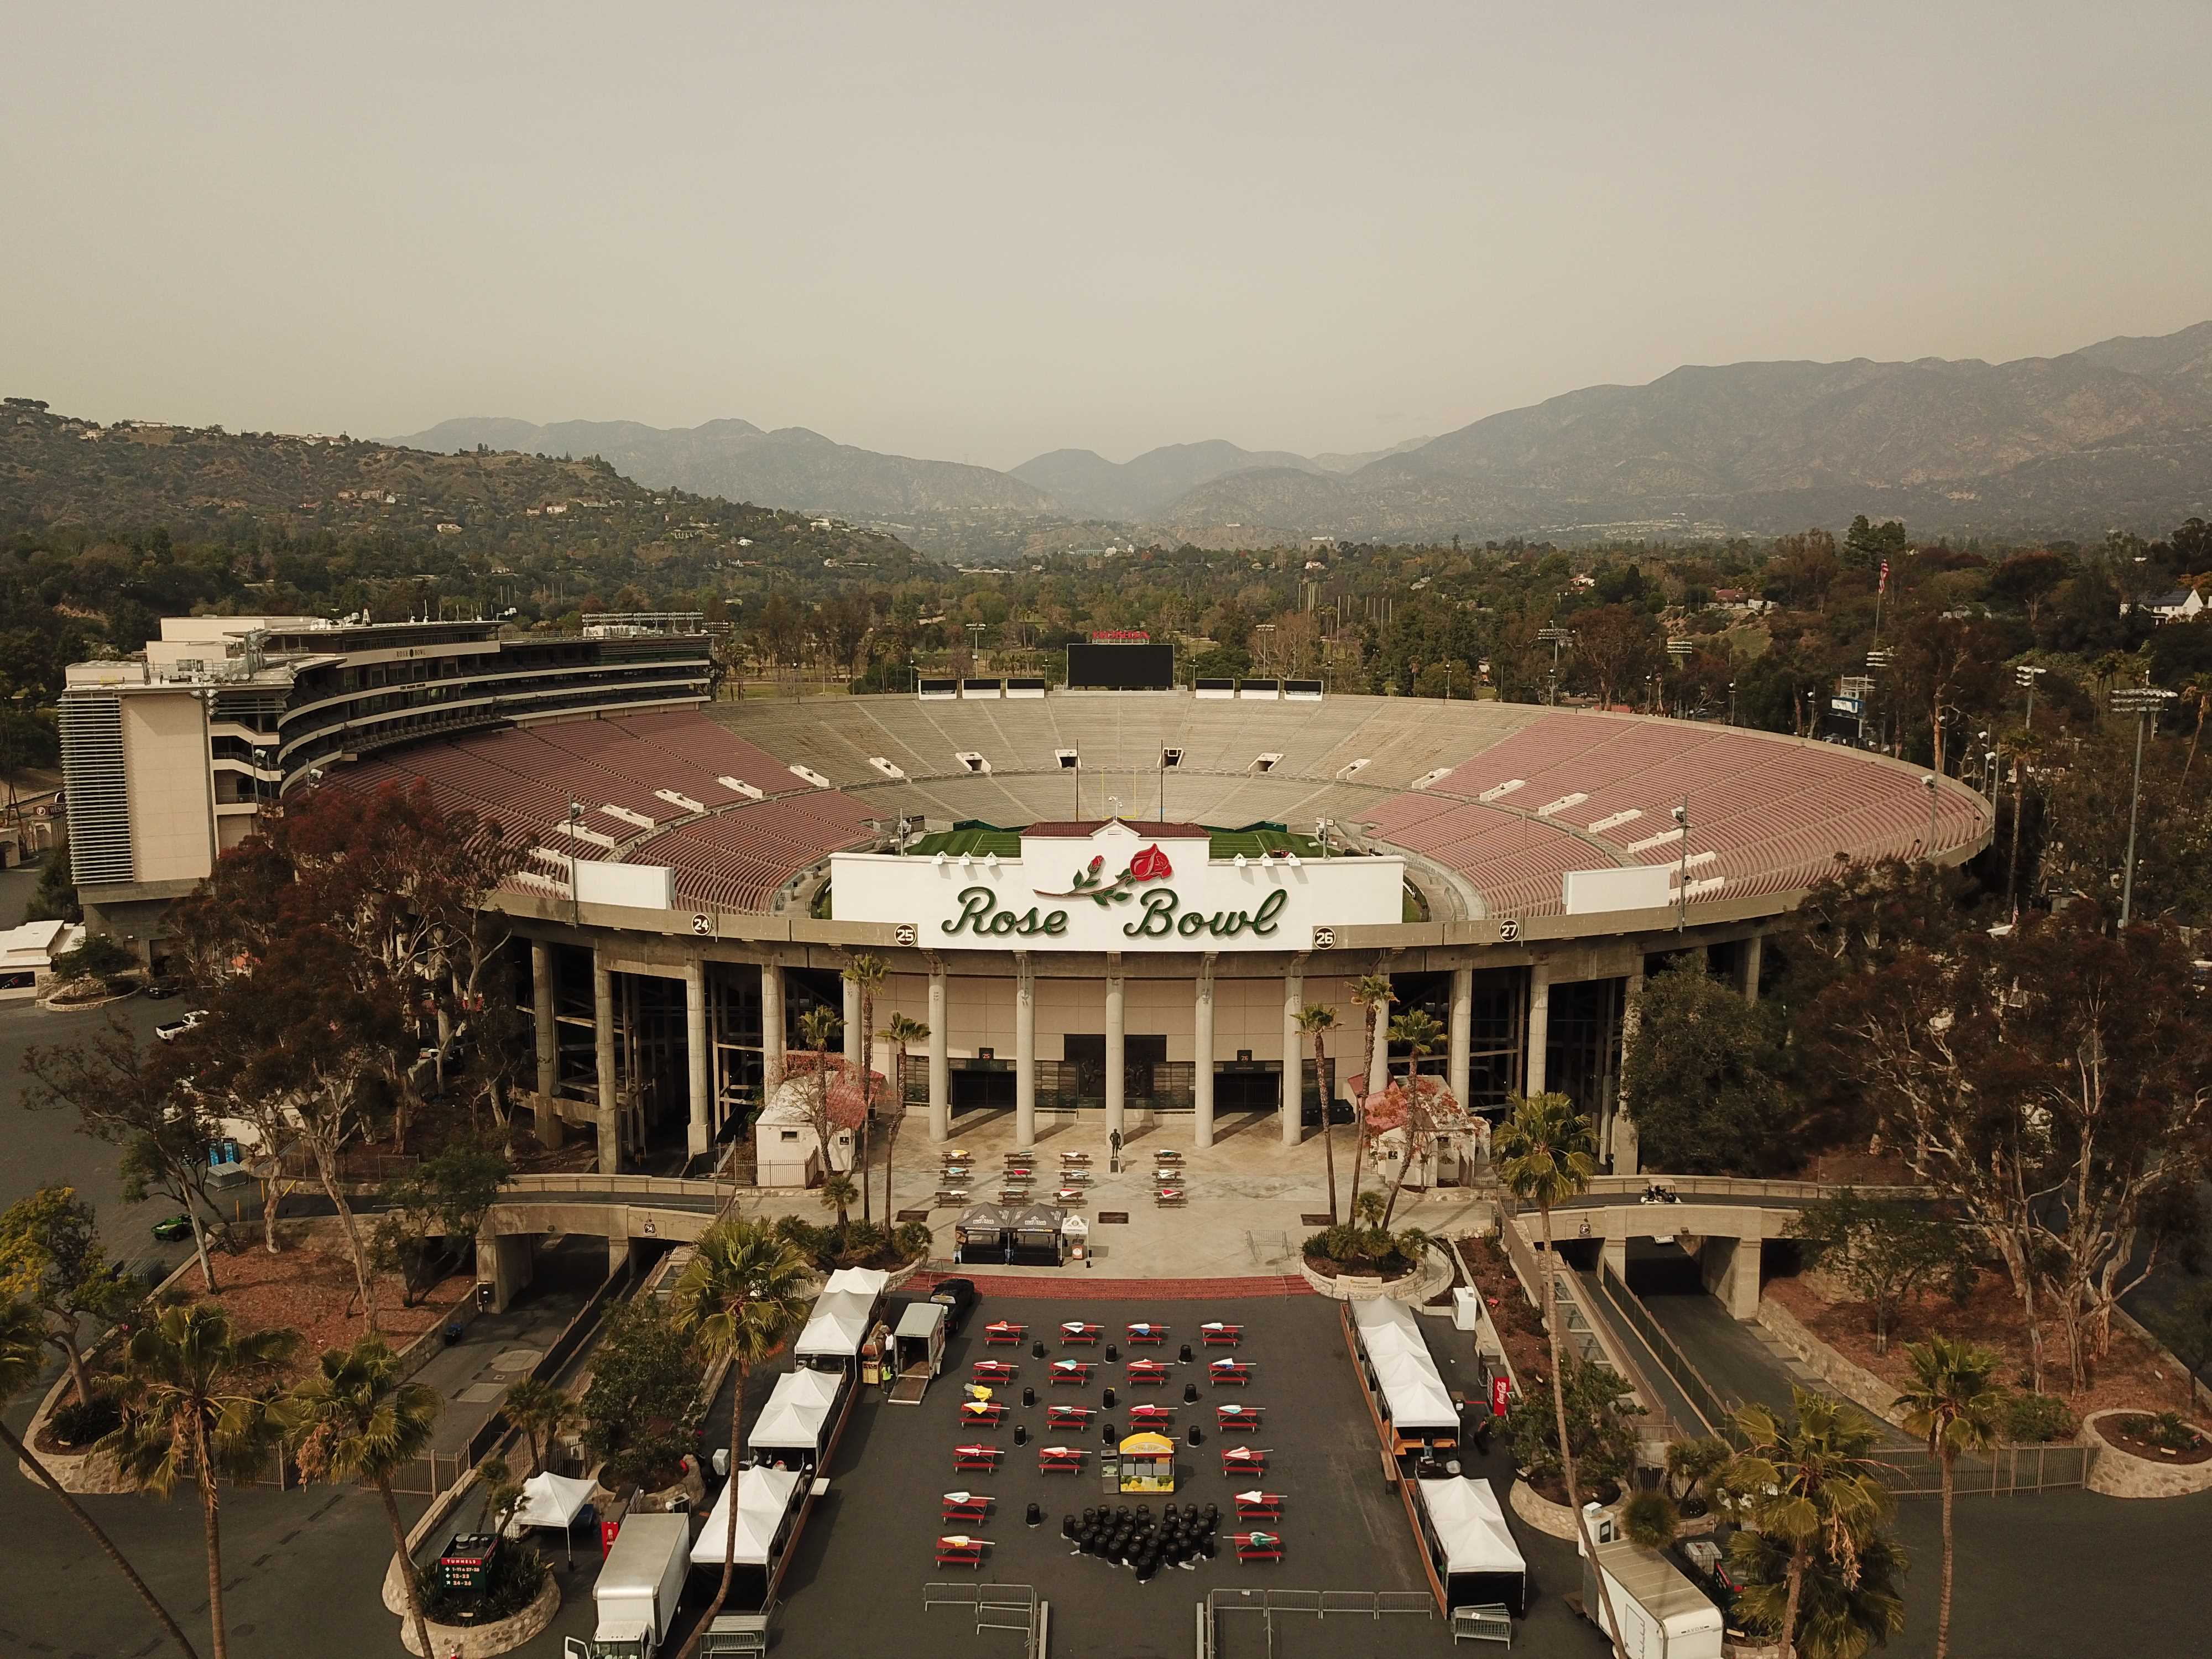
[869, 973]
[1953, 1405]
[1809, 1490]
[23, 1334]
[739, 1299]
[900, 1034]
[838, 1193]
[1316, 1020]
[1373, 994]
[1418, 1030]
[1545, 1154]
[541, 1410]
[1839, 1615]
[193, 1402]
[354, 1419]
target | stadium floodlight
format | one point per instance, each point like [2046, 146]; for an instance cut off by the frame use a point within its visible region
[1682, 871]
[2025, 676]
[2144, 702]
[1555, 637]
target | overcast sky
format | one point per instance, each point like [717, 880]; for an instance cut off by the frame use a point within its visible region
[978, 232]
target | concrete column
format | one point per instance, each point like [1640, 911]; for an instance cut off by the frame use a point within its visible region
[1616, 1257]
[1116, 1074]
[603, 1049]
[505, 1261]
[548, 1036]
[1748, 965]
[1460, 1042]
[1201, 1086]
[1730, 1267]
[940, 1063]
[700, 1134]
[771, 1029]
[618, 1253]
[1294, 1002]
[541, 1010]
[1025, 1054]
[1621, 1143]
[855, 1038]
[1540, 1028]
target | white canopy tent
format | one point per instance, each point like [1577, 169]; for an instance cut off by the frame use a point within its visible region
[1469, 1540]
[1417, 1396]
[837, 1327]
[551, 1500]
[797, 1414]
[862, 1281]
[763, 1497]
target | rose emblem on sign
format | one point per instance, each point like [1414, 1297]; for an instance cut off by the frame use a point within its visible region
[1151, 865]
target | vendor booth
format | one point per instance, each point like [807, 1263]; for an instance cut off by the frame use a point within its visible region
[834, 1331]
[552, 1501]
[795, 1425]
[1035, 1237]
[769, 1502]
[917, 1351]
[1074, 1238]
[1464, 1529]
[1148, 1464]
[1419, 1414]
[1030, 1234]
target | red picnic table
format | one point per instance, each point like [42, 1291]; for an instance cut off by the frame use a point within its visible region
[1235, 1417]
[983, 1413]
[1060, 1460]
[1081, 1331]
[995, 1371]
[976, 1457]
[1238, 1371]
[1245, 1460]
[967, 1506]
[1257, 1546]
[1147, 1370]
[958, 1550]
[1216, 1334]
[1145, 1331]
[1071, 1370]
[1069, 1417]
[1150, 1416]
[1259, 1506]
[1004, 1334]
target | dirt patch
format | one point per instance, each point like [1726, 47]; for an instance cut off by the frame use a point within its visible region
[1518, 1325]
[2130, 1378]
[2136, 1432]
[309, 1286]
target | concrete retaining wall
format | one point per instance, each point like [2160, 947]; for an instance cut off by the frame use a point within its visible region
[481, 1641]
[2119, 1474]
[1847, 1377]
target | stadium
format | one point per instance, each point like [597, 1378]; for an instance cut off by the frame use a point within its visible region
[1108, 903]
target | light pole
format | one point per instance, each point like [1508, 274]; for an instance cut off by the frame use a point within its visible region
[575, 899]
[1731, 720]
[1682, 870]
[2143, 701]
[1679, 650]
[2024, 675]
[1935, 793]
[1877, 660]
[1555, 637]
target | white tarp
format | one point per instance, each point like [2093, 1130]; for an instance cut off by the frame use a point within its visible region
[763, 1497]
[797, 1410]
[1471, 1526]
[861, 1281]
[1417, 1396]
[837, 1327]
[551, 1500]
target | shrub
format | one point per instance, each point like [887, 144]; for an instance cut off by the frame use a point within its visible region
[1651, 1519]
[913, 1240]
[1599, 1410]
[98, 958]
[512, 1582]
[82, 1422]
[2032, 1419]
[2171, 1430]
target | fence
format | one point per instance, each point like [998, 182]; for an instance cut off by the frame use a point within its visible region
[2002, 1470]
[1607, 1188]
[1706, 1400]
[1374, 1605]
[1012, 1607]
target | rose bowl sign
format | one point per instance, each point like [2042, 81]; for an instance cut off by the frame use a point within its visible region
[1113, 888]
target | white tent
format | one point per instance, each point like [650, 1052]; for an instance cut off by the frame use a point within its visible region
[864, 1282]
[837, 1327]
[1417, 1396]
[1470, 1542]
[549, 1500]
[763, 1497]
[798, 1410]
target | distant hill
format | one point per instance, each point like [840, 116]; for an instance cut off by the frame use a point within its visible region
[55, 469]
[2073, 444]
[791, 467]
[1086, 483]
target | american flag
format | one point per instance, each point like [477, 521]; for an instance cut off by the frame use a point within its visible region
[1882, 586]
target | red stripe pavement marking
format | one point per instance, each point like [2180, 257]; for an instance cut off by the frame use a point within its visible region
[1074, 1289]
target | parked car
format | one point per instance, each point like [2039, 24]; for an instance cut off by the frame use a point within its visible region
[163, 985]
[170, 1030]
[170, 1228]
[960, 1296]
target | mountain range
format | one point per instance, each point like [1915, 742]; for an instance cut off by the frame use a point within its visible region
[2116, 434]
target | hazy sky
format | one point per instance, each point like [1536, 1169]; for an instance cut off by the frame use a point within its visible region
[977, 232]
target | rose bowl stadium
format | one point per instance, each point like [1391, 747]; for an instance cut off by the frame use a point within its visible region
[1110, 903]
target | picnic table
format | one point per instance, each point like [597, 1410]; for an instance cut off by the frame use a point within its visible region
[1078, 1331]
[1238, 1371]
[1167, 1155]
[1235, 1417]
[1257, 1506]
[1217, 1334]
[1069, 1417]
[1171, 1198]
[1075, 1157]
[1245, 1460]
[989, 1413]
[949, 1196]
[1147, 1370]
[1070, 1198]
[1151, 1417]
[1257, 1546]
[958, 1550]
[1077, 1371]
[996, 1370]
[1060, 1460]
[966, 1506]
[1144, 1330]
[977, 1456]
[1005, 1333]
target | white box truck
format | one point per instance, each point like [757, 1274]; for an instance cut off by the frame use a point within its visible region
[1658, 1610]
[639, 1583]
